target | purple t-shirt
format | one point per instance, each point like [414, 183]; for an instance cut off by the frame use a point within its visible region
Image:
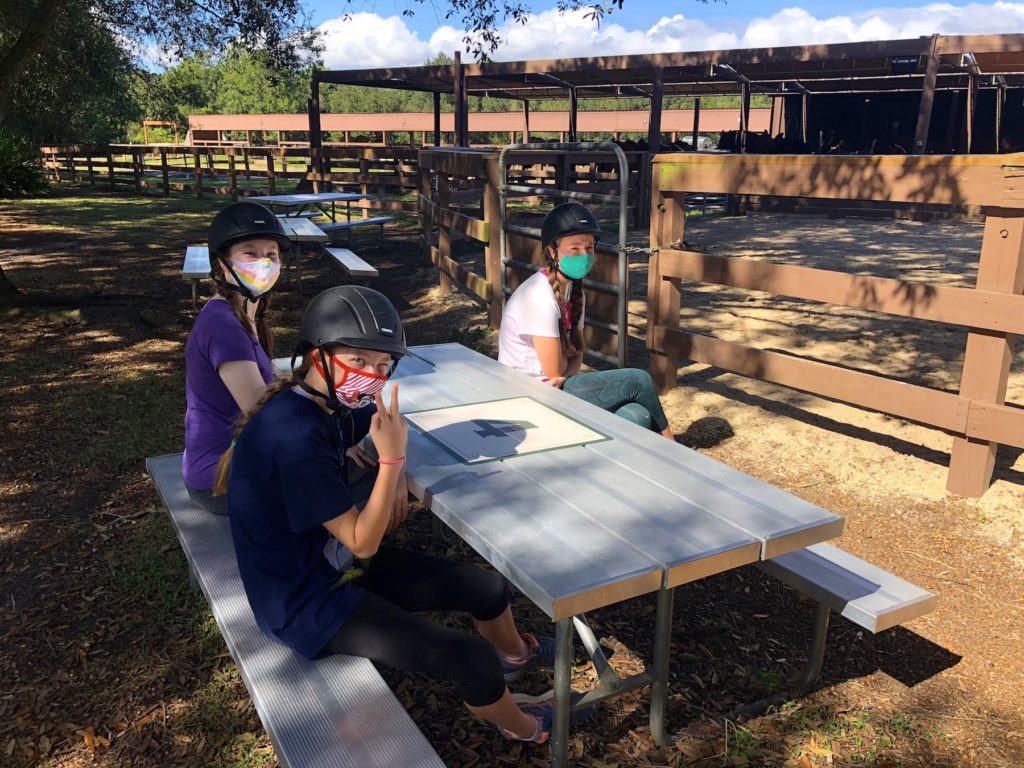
[210, 411]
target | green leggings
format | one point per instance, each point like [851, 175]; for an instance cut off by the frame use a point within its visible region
[626, 392]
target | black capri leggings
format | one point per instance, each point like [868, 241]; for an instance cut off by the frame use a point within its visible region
[383, 628]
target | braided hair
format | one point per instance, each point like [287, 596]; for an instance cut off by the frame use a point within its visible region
[261, 329]
[570, 338]
[276, 387]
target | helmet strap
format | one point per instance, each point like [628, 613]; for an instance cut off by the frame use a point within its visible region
[237, 286]
[330, 398]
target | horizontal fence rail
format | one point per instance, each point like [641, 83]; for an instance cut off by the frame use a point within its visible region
[385, 175]
[992, 311]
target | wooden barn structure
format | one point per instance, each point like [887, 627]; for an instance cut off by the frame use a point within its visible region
[943, 93]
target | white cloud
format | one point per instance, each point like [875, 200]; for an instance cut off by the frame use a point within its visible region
[368, 40]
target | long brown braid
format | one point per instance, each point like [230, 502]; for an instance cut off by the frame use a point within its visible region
[237, 301]
[274, 388]
[570, 340]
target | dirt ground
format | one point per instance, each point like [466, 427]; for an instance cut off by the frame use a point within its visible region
[108, 659]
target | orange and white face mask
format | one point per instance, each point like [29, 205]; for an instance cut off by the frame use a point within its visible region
[356, 388]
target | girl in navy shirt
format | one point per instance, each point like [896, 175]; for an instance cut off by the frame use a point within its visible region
[288, 495]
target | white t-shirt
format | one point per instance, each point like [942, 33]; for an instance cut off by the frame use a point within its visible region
[531, 310]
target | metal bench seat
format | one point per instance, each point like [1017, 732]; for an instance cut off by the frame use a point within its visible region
[351, 263]
[335, 712]
[196, 268]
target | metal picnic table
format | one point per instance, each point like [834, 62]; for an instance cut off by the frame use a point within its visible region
[300, 202]
[301, 231]
[583, 527]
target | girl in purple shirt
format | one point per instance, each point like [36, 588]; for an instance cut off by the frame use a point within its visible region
[227, 357]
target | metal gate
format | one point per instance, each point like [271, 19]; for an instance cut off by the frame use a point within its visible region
[619, 327]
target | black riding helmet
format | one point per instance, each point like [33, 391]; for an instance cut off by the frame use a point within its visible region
[351, 316]
[238, 222]
[568, 219]
[244, 221]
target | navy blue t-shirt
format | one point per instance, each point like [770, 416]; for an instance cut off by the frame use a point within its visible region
[287, 479]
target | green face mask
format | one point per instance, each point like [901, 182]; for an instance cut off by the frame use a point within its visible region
[576, 267]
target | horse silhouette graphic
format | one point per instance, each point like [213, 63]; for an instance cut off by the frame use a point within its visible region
[500, 427]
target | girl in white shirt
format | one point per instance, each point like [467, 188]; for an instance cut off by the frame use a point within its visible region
[542, 326]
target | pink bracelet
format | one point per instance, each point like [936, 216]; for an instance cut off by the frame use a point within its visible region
[399, 460]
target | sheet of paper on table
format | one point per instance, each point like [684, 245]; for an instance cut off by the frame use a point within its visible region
[500, 429]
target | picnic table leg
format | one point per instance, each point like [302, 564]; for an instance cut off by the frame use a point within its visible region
[195, 293]
[563, 703]
[296, 260]
[810, 675]
[662, 649]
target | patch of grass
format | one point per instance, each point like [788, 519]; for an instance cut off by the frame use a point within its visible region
[125, 419]
[472, 337]
[767, 679]
[219, 712]
[743, 744]
[143, 218]
[152, 571]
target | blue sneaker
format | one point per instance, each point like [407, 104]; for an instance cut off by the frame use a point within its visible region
[540, 653]
[542, 709]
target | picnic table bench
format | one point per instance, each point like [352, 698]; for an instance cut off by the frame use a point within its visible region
[337, 226]
[865, 594]
[335, 712]
[196, 268]
[351, 263]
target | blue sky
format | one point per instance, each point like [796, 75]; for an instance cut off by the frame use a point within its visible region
[377, 35]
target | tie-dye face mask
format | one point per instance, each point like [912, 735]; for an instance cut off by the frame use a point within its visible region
[258, 276]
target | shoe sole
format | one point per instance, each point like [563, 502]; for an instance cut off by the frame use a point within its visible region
[526, 698]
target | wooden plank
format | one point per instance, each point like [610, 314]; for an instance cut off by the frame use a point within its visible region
[668, 218]
[987, 359]
[1002, 424]
[924, 113]
[995, 311]
[457, 163]
[986, 180]
[907, 401]
[468, 279]
[475, 228]
[491, 210]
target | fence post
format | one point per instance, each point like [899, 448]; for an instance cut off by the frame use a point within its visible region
[198, 170]
[988, 356]
[364, 188]
[492, 251]
[668, 216]
[163, 171]
[137, 168]
[271, 180]
[444, 238]
[68, 157]
[426, 220]
[110, 168]
[88, 165]
[232, 175]
[245, 156]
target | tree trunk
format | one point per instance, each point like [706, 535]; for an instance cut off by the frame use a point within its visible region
[33, 39]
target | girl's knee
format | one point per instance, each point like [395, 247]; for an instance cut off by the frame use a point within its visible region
[635, 413]
[492, 597]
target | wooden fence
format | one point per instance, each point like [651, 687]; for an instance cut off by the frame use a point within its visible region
[454, 182]
[992, 311]
[239, 171]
